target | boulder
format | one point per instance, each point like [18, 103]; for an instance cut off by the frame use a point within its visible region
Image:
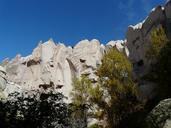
[160, 116]
[167, 124]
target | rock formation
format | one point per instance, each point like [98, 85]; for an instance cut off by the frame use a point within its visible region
[138, 36]
[138, 42]
[55, 65]
[2, 78]
[160, 116]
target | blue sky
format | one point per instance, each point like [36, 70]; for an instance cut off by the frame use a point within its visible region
[23, 23]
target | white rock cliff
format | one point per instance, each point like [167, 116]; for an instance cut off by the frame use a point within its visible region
[55, 65]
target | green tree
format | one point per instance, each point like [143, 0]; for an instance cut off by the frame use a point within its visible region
[80, 101]
[158, 41]
[160, 51]
[163, 71]
[116, 94]
[80, 91]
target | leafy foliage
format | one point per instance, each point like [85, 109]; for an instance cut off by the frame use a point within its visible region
[80, 91]
[38, 110]
[94, 126]
[159, 40]
[116, 94]
[80, 102]
[114, 97]
[161, 70]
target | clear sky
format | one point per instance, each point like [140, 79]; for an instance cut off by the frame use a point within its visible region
[23, 23]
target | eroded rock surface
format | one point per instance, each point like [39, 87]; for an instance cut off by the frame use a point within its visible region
[139, 40]
[160, 116]
[3, 81]
[55, 65]
[138, 37]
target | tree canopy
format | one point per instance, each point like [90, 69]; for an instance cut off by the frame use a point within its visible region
[38, 110]
[161, 70]
[115, 96]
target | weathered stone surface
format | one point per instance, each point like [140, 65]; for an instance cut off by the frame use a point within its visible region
[55, 65]
[138, 36]
[6, 87]
[12, 88]
[160, 116]
[120, 45]
[168, 17]
[148, 90]
[167, 124]
[139, 40]
[2, 78]
[168, 9]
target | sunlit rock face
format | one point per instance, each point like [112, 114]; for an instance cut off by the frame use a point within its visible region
[120, 45]
[55, 65]
[2, 78]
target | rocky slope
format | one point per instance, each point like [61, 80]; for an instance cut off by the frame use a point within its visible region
[55, 65]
